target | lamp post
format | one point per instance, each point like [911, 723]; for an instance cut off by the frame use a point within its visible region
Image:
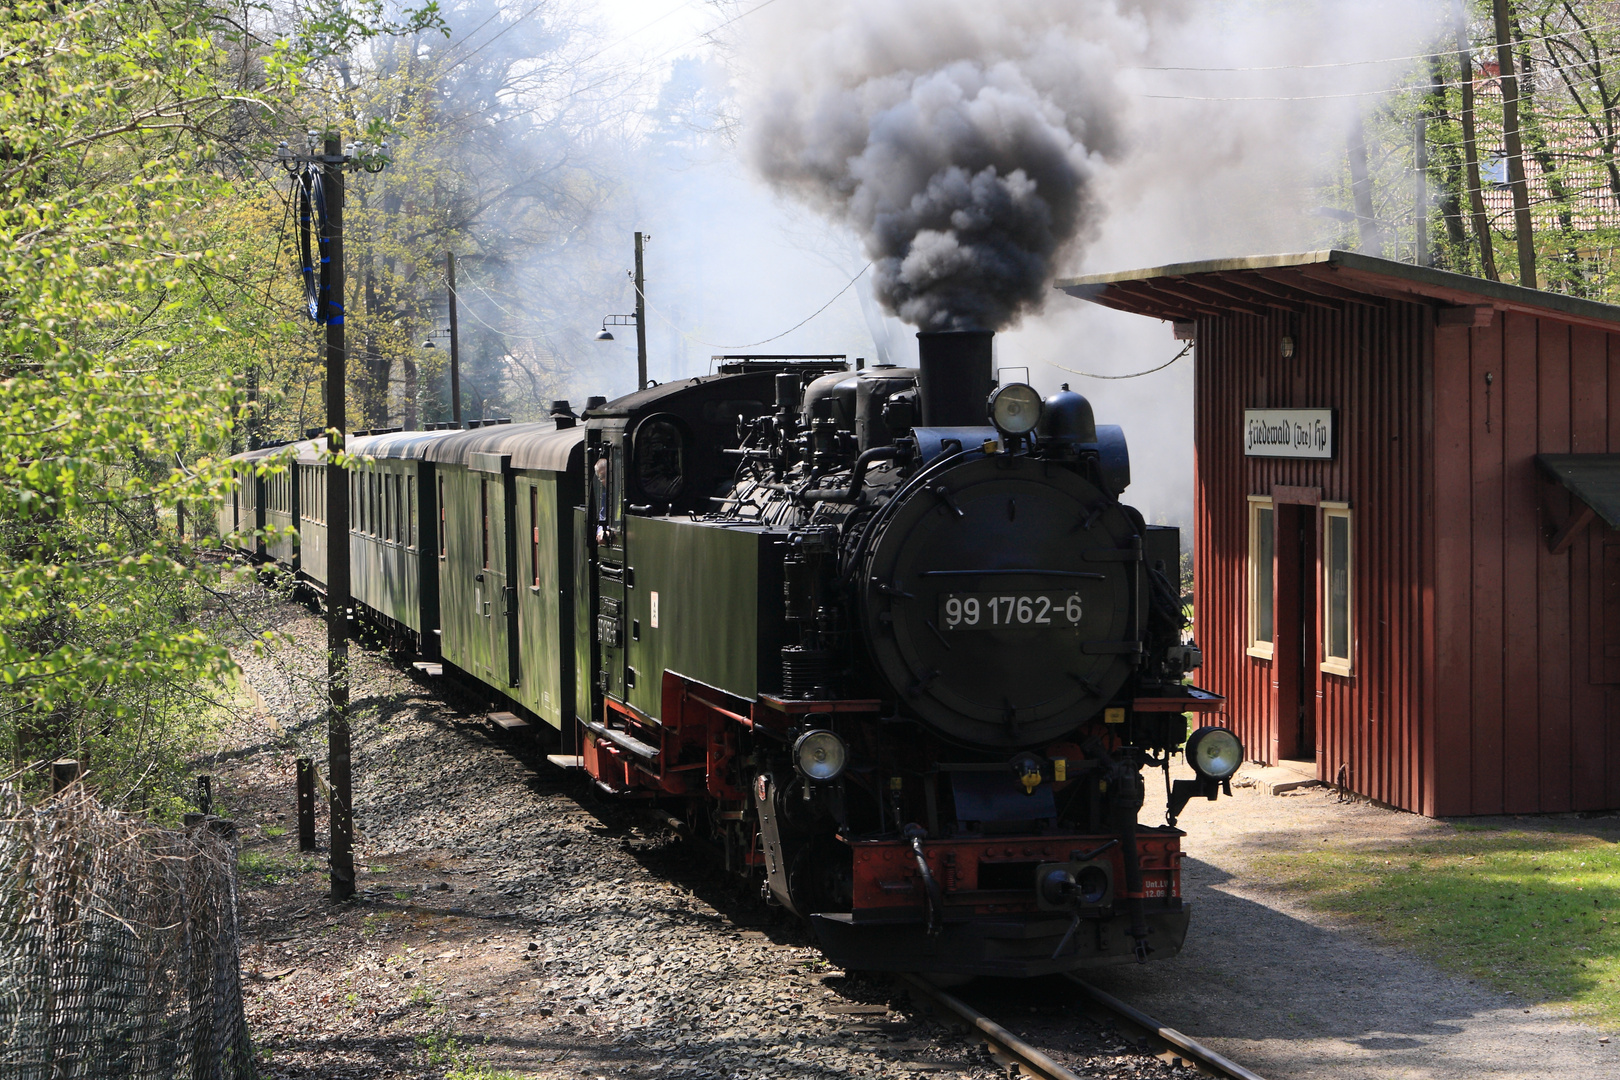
[451, 333]
[321, 176]
[638, 320]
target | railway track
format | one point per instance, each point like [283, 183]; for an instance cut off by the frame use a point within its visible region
[1033, 1062]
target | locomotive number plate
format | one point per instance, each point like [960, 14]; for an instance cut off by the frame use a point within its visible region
[993, 611]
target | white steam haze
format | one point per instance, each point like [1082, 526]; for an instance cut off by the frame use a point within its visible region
[971, 152]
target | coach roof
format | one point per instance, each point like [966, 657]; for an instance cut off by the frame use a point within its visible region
[397, 445]
[538, 445]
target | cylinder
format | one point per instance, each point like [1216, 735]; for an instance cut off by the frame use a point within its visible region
[955, 377]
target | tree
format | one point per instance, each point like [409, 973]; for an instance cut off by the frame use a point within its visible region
[132, 296]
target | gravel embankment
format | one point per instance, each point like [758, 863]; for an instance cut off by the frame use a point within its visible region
[509, 919]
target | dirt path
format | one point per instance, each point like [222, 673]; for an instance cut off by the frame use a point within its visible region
[1294, 995]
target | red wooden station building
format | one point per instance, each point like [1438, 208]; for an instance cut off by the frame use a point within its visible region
[1407, 533]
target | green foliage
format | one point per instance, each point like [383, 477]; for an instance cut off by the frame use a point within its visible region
[132, 225]
[1569, 118]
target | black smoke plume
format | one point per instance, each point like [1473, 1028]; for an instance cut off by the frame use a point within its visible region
[962, 149]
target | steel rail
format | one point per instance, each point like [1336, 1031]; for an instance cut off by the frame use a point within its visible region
[999, 1038]
[1192, 1048]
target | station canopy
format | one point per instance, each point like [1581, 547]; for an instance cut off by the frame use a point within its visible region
[1261, 285]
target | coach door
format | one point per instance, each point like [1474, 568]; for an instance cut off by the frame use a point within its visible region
[494, 594]
[606, 522]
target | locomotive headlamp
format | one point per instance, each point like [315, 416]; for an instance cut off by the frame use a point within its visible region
[820, 756]
[1214, 753]
[1015, 409]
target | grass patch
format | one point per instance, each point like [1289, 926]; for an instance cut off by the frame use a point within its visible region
[1535, 911]
[255, 869]
[443, 1048]
[274, 832]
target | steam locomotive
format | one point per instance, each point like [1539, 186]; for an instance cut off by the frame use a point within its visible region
[903, 667]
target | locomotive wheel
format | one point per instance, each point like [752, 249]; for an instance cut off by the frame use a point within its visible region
[997, 602]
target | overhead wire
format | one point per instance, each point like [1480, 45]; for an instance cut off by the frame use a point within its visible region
[1422, 88]
[1378, 60]
[755, 344]
[1133, 375]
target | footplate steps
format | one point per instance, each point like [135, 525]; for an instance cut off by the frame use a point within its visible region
[622, 740]
[507, 721]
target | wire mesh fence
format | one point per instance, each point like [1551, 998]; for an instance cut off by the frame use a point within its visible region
[118, 946]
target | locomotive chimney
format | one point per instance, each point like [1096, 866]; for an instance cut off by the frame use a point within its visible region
[955, 375]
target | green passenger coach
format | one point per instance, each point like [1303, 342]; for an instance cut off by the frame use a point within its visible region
[506, 558]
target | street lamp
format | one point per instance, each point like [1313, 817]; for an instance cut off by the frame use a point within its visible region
[638, 320]
[605, 334]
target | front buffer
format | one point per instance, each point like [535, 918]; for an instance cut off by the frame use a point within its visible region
[1013, 906]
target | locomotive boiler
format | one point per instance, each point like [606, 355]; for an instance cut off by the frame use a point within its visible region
[887, 639]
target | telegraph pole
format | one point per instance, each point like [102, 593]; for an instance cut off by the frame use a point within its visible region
[326, 307]
[455, 341]
[338, 764]
[1420, 155]
[641, 318]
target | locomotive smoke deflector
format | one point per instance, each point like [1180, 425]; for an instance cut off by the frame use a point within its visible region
[954, 376]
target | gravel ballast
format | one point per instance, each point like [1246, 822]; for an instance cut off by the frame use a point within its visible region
[509, 918]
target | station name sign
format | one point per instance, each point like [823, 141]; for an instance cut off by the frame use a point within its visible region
[1289, 433]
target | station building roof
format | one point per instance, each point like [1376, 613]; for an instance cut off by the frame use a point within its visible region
[1262, 284]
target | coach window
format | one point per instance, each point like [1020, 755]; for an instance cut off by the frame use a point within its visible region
[444, 549]
[1262, 515]
[534, 536]
[376, 505]
[483, 506]
[399, 508]
[1338, 641]
[410, 514]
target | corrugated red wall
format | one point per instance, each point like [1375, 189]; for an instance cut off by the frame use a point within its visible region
[1480, 681]
[1526, 714]
[1367, 362]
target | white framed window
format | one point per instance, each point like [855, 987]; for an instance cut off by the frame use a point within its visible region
[1262, 576]
[1338, 589]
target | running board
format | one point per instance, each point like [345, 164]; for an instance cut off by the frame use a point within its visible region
[566, 761]
[508, 721]
[622, 740]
